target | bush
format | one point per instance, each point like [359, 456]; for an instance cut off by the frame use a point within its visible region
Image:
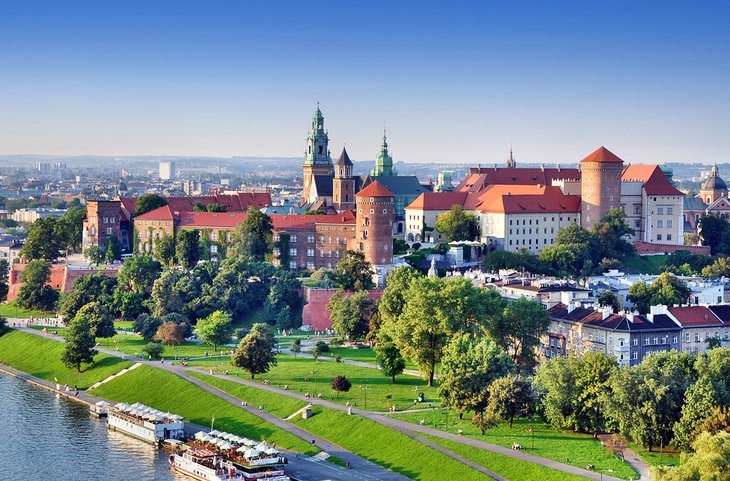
[322, 346]
[153, 349]
[340, 384]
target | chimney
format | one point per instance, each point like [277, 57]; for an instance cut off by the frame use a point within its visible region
[605, 312]
[571, 307]
[479, 166]
[495, 167]
[542, 167]
[558, 167]
[630, 316]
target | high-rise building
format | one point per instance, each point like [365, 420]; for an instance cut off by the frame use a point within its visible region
[43, 168]
[167, 170]
[600, 185]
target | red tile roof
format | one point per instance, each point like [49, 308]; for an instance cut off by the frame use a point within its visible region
[229, 220]
[654, 180]
[603, 155]
[695, 316]
[552, 200]
[375, 189]
[237, 202]
[161, 213]
[478, 179]
[438, 200]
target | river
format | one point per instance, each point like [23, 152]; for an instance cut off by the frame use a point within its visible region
[48, 437]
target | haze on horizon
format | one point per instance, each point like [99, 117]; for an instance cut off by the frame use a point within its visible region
[456, 82]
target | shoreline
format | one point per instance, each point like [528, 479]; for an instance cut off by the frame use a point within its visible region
[49, 386]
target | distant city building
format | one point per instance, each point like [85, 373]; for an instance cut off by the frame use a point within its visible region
[32, 215]
[43, 168]
[167, 170]
[712, 199]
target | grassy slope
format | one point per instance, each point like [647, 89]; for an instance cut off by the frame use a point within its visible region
[386, 447]
[570, 448]
[275, 404]
[168, 392]
[656, 458]
[11, 310]
[42, 358]
[644, 264]
[292, 372]
[511, 468]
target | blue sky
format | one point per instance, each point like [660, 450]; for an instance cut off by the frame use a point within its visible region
[453, 81]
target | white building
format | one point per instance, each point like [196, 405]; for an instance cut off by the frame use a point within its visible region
[167, 170]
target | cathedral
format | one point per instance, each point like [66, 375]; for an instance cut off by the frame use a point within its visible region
[332, 186]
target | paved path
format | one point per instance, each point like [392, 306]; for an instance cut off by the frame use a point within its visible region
[633, 460]
[400, 426]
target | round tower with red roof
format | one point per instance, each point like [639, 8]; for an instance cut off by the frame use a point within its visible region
[374, 227]
[600, 185]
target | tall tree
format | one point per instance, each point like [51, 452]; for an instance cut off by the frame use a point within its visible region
[255, 353]
[138, 273]
[610, 235]
[701, 398]
[45, 240]
[113, 249]
[669, 290]
[519, 330]
[79, 343]
[354, 273]
[148, 203]
[253, 237]
[712, 229]
[458, 224]
[147, 326]
[165, 250]
[187, 247]
[216, 329]
[640, 295]
[70, 227]
[509, 397]
[100, 321]
[35, 293]
[388, 357]
[166, 296]
[469, 367]
[609, 299]
[351, 314]
[556, 380]
[393, 300]
[4, 275]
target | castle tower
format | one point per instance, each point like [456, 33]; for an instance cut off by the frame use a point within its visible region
[343, 185]
[384, 162]
[600, 185]
[374, 227]
[714, 187]
[317, 160]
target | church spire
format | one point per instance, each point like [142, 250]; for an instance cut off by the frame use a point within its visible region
[383, 161]
[511, 160]
[317, 152]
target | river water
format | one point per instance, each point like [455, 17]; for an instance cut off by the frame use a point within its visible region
[47, 437]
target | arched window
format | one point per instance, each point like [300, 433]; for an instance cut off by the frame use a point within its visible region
[410, 237]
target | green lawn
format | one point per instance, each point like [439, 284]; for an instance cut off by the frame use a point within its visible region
[42, 358]
[644, 264]
[656, 458]
[132, 345]
[168, 392]
[58, 331]
[11, 310]
[292, 372]
[511, 468]
[124, 325]
[569, 448]
[363, 355]
[275, 404]
[386, 447]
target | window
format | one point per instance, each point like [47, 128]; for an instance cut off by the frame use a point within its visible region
[621, 342]
[669, 237]
[310, 239]
[214, 249]
[686, 337]
[637, 224]
[637, 209]
[293, 238]
[660, 210]
[636, 341]
[659, 224]
[310, 252]
[697, 337]
[276, 237]
[292, 251]
[658, 237]
[670, 210]
[669, 223]
[674, 340]
[634, 355]
[292, 264]
[646, 341]
[310, 265]
[108, 231]
[656, 341]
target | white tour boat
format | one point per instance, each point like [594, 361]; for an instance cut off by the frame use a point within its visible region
[145, 423]
[218, 456]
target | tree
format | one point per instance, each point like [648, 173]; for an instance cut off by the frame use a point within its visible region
[520, 260]
[79, 343]
[610, 236]
[188, 247]
[669, 290]
[148, 203]
[70, 227]
[166, 296]
[138, 273]
[3, 325]
[255, 352]
[458, 224]
[216, 329]
[4, 274]
[147, 326]
[217, 207]
[113, 249]
[253, 237]
[170, 333]
[340, 384]
[389, 359]
[324, 278]
[296, 347]
[609, 299]
[316, 353]
[165, 250]
[719, 268]
[44, 240]
[392, 302]
[354, 273]
[100, 321]
[519, 329]
[718, 420]
[699, 401]
[509, 397]
[153, 350]
[712, 229]
[556, 382]
[35, 293]
[94, 255]
[129, 305]
[640, 295]
[566, 258]
[709, 462]
[469, 367]
[351, 314]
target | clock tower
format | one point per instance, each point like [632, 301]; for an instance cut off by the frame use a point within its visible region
[317, 160]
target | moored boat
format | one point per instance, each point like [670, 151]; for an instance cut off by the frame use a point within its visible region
[145, 423]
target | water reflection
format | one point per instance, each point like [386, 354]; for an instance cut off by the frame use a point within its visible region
[45, 436]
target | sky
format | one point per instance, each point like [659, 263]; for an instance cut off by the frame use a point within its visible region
[451, 81]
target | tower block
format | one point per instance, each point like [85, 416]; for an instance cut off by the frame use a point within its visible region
[374, 228]
[600, 185]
